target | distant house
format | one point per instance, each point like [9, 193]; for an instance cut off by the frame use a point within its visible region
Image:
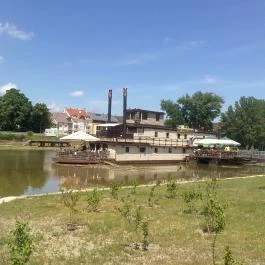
[62, 123]
[80, 119]
[98, 119]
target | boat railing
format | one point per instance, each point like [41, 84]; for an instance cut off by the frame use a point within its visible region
[83, 155]
[215, 154]
[152, 141]
[260, 155]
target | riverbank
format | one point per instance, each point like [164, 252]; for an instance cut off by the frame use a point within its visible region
[176, 237]
[18, 140]
[21, 145]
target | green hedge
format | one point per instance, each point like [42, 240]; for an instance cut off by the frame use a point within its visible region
[12, 137]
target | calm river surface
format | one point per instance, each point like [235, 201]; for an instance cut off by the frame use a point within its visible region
[33, 172]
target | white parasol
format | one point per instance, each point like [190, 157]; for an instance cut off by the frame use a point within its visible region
[79, 136]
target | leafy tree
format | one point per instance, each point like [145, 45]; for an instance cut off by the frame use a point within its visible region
[41, 117]
[174, 115]
[245, 122]
[196, 111]
[15, 111]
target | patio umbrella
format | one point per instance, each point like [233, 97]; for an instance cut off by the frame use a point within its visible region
[79, 136]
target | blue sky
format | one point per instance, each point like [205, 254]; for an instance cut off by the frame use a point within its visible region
[69, 53]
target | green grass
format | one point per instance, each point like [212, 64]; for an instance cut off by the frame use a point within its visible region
[104, 237]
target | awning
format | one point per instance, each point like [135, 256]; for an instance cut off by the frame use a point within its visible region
[208, 142]
[108, 125]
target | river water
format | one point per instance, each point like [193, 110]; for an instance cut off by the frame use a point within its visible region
[33, 172]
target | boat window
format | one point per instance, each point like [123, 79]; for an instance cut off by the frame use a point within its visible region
[140, 130]
[170, 150]
[127, 149]
[184, 150]
[156, 150]
[157, 116]
[185, 136]
[156, 134]
[142, 149]
[167, 135]
[178, 135]
[144, 115]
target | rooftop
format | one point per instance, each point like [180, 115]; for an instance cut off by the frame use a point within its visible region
[143, 110]
[73, 112]
[60, 117]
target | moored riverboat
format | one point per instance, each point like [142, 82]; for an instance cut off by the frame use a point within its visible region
[121, 151]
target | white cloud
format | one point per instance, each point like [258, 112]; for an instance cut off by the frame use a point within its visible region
[156, 55]
[53, 107]
[6, 87]
[2, 59]
[210, 79]
[191, 44]
[144, 57]
[13, 32]
[101, 106]
[141, 58]
[77, 93]
[167, 40]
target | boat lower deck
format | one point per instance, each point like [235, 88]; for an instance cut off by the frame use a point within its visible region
[220, 157]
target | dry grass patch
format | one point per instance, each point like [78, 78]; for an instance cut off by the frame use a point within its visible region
[175, 236]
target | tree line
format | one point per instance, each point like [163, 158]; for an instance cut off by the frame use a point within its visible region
[243, 122]
[18, 114]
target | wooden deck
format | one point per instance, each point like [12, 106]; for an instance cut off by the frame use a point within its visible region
[221, 157]
[81, 157]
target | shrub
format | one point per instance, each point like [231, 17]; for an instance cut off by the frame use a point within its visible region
[228, 257]
[12, 137]
[171, 189]
[145, 231]
[214, 214]
[20, 244]
[70, 200]
[134, 184]
[152, 199]
[29, 134]
[93, 200]
[115, 187]
[214, 209]
[190, 197]
[125, 209]
[138, 217]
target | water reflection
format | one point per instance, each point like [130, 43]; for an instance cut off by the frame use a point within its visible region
[21, 171]
[99, 175]
[32, 172]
